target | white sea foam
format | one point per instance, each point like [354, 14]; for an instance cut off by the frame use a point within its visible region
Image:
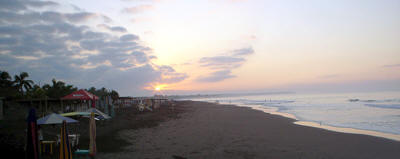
[389, 106]
[371, 112]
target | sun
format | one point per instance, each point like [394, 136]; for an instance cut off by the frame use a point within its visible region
[157, 87]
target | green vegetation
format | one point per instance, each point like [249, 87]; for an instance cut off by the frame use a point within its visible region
[103, 92]
[23, 88]
[12, 126]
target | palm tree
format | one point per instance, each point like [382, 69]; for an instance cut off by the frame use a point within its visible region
[114, 95]
[58, 89]
[21, 82]
[6, 85]
[5, 79]
[36, 92]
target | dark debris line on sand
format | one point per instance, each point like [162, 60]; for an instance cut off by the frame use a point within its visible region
[177, 157]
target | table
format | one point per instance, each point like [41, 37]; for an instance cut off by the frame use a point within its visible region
[50, 143]
[73, 139]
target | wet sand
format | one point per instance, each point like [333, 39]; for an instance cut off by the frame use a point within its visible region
[206, 130]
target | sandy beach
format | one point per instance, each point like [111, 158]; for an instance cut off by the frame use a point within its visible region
[273, 79]
[206, 130]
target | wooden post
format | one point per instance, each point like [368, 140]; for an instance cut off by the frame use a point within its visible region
[45, 103]
[40, 106]
[1, 108]
[62, 105]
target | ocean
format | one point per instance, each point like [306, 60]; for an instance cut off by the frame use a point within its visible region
[372, 113]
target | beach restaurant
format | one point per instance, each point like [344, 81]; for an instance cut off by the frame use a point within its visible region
[78, 101]
[68, 142]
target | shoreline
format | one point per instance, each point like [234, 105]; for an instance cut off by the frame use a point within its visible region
[349, 130]
[209, 130]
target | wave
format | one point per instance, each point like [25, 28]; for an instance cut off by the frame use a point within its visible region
[257, 102]
[268, 102]
[375, 101]
[387, 106]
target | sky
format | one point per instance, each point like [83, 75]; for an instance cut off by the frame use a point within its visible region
[204, 46]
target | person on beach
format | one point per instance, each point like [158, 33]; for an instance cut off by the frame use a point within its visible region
[40, 134]
[40, 137]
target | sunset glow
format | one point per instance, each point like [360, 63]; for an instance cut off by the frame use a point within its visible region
[201, 78]
[157, 87]
[207, 46]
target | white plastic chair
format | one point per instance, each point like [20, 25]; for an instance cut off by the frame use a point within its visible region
[141, 107]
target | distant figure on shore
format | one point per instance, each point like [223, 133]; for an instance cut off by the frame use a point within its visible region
[40, 134]
[40, 137]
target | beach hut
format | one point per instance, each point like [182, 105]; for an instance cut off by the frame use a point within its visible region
[32, 142]
[81, 95]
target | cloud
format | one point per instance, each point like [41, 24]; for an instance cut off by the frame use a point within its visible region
[137, 9]
[216, 76]
[106, 19]
[243, 51]
[52, 44]
[218, 62]
[223, 64]
[79, 17]
[76, 8]
[113, 29]
[169, 75]
[32, 17]
[18, 5]
[391, 66]
[129, 37]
